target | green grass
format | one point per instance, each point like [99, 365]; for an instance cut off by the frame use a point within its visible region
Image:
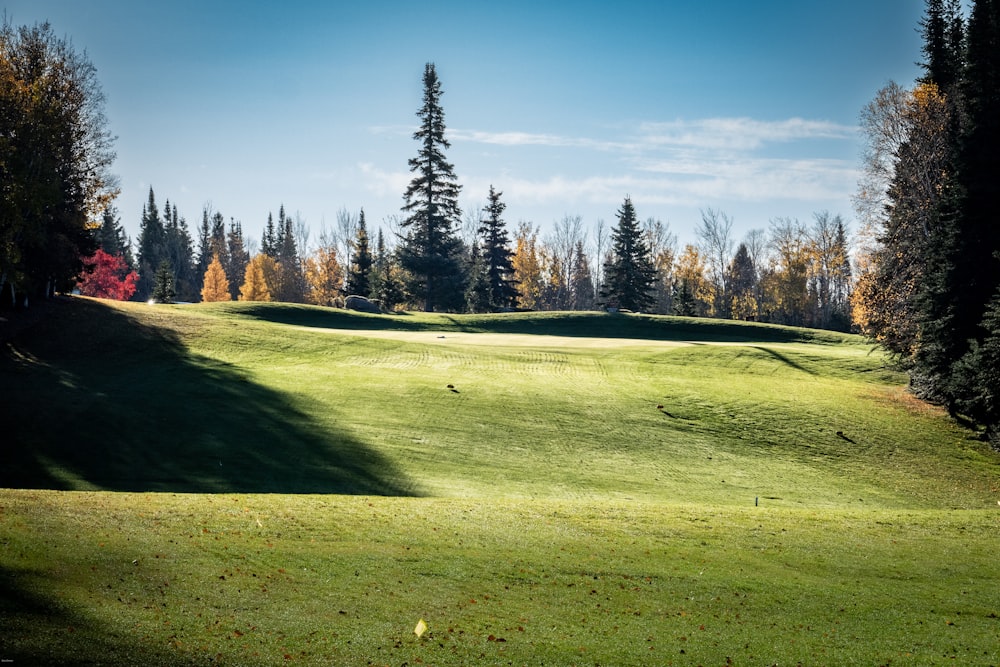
[262, 484]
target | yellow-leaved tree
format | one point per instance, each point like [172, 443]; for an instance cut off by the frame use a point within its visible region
[216, 285]
[324, 277]
[528, 266]
[259, 278]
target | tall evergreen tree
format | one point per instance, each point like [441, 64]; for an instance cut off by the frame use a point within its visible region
[291, 286]
[205, 253]
[180, 255]
[359, 273]
[152, 247]
[630, 273]
[944, 44]
[581, 285]
[430, 251]
[742, 281]
[269, 240]
[964, 253]
[386, 285]
[239, 257]
[496, 255]
[111, 236]
[477, 292]
[217, 241]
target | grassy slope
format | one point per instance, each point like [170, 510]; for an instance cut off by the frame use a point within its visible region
[587, 524]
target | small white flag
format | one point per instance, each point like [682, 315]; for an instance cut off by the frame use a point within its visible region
[420, 629]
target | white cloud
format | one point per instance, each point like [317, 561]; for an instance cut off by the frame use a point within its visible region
[739, 134]
[678, 163]
[531, 139]
[384, 183]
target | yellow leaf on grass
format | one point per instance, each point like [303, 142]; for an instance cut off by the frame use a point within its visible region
[420, 629]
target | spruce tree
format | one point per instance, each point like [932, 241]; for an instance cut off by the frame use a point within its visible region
[964, 251]
[581, 286]
[430, 250]
[269, 240]
[163, 284]
[111, 237]
[359, 273]
[180, 255]
[496, 257]
[291, 286]
[238, 257]
[477, 292]
[629, 274]
[385, 283]
[204, 243]
[152, 247]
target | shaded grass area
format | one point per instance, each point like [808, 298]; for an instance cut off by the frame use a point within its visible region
[577, 324]
[96, 398]
[160, 579]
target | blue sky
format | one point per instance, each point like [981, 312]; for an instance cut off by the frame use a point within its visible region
[749, 108]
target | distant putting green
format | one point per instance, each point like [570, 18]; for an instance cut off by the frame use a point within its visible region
[540, 488]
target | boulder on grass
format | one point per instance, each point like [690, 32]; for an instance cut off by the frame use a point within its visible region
[362, 305]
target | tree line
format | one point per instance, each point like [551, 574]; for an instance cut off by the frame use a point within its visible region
[59, 229]
[435, 259]
[929, 282]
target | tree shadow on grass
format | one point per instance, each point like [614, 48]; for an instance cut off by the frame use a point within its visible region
[788, 361]
[38, 630]
[91, 398]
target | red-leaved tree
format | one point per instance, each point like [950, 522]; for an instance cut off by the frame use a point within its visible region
[107, 277]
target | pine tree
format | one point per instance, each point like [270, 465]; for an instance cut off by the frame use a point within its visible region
[496, 256]
[581, 285]
[111, 236]
[152, 247]
[386, 285]
[291, 285]
[238, 258]
[204, 243]
[477, 292]
[430, 250]
[359, 275]
[629, 275]
[180, 255]
[269, 240]
[963, 257]
[163, 284]
[944, 44]
[979, 395]
[742, 281]
[216, 285]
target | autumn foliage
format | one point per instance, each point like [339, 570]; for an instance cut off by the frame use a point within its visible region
[107, 277]
[216, 285]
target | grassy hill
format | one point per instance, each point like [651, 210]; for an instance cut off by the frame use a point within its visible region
[587, 488]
